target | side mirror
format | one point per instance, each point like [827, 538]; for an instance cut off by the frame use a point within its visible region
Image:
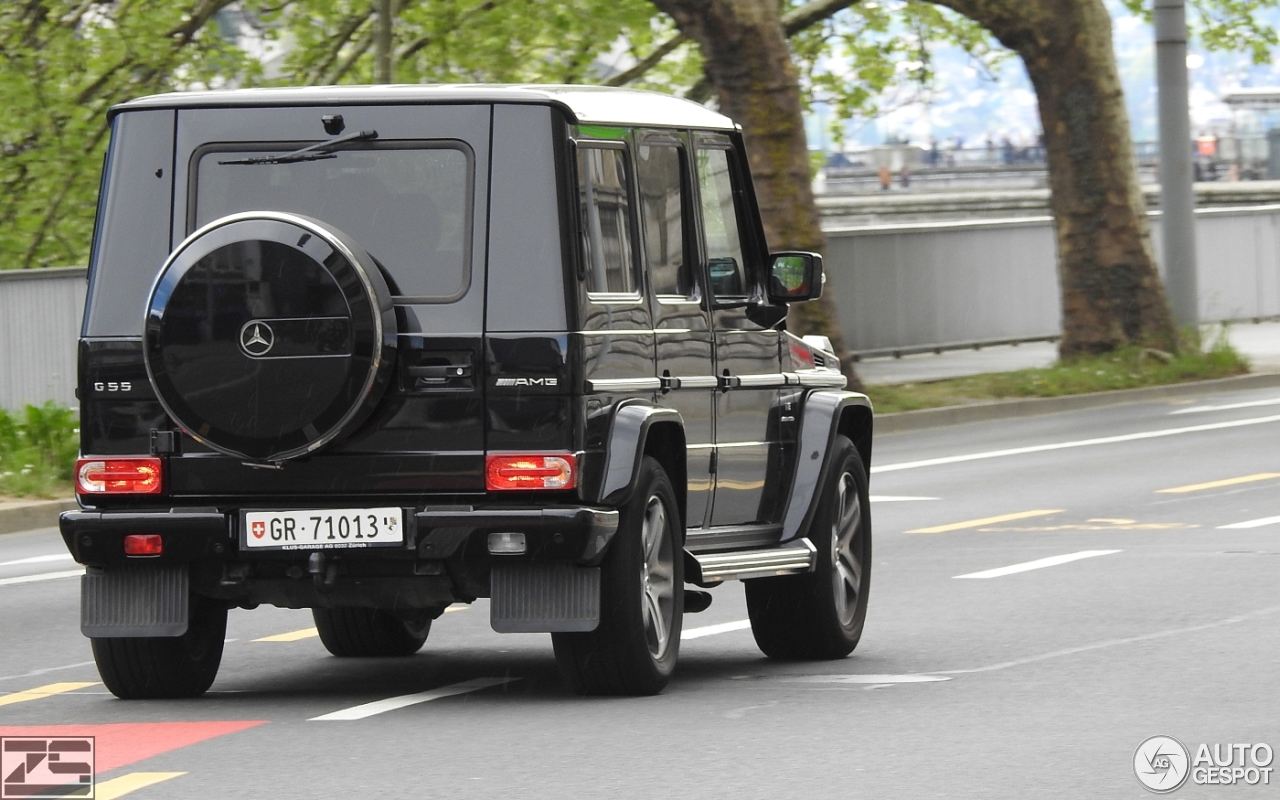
[795, 277]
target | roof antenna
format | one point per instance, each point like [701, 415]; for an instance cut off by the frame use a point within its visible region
[333, 124]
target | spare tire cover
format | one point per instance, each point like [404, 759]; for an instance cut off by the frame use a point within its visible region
[269, 335]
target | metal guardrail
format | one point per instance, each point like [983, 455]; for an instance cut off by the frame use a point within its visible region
[40, 311]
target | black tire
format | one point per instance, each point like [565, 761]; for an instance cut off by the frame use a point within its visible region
[820, 615]
[369, 632]
[138, 668]
[628, 654]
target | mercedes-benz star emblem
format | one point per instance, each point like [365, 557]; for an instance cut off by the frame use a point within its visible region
[256, 338]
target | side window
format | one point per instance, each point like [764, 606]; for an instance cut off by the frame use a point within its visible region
[725, 262]
[604, 199]
[662, 209]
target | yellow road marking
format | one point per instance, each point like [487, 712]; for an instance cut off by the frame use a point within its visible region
[1197, 487]
[291, 636]
[978, 523]
[1113, 520]
[41, 692]
[119, 787]
[456, 608]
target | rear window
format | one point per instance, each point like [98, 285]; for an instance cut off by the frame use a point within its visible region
[407, 203]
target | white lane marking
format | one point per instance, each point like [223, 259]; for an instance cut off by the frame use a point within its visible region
[393, 703]
[37, 560]
[877, 679]
[1145, 637]
[1227, 407]
[712, 630]
[35, 672]
[44, 576]
[1040, 448]
[890, 498]
[1252, 523]
[1039, 563]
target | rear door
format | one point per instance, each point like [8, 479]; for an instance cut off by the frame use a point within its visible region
[416, 198]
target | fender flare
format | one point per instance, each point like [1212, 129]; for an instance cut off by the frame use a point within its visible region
[820, 424]
[628, 431]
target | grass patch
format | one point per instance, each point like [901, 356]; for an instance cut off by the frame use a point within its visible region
[38, 451]
[1128, 368]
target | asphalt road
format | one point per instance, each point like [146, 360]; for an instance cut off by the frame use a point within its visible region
[1040, 682]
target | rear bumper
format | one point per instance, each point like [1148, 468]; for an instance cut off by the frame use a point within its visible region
[565, 534]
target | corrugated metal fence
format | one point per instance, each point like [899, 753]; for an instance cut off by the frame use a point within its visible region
[898, 287]
[40, 312]
[920, 286]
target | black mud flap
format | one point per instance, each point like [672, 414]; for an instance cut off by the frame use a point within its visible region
[544, 598]
[142, 600]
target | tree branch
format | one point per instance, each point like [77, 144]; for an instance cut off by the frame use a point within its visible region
[349, 27]
[811, 13]
[361, 47]
[648, 62]
[422, 41]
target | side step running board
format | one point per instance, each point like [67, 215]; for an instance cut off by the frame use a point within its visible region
[717, 567]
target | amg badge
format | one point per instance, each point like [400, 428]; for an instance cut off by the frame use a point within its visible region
[526, 382]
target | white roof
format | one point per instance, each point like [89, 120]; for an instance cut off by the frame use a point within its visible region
[601, 105]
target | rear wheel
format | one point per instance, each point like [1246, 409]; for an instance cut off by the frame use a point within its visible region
[635, 647]
[820, 615]
[139, 668]
[370, 632]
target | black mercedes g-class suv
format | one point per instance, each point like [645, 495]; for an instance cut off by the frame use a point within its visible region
[376, 350]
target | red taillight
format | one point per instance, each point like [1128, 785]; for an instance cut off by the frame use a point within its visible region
[118, 476]
[143, 544]
[532, 471]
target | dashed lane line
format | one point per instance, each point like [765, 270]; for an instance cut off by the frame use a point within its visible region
[1039, 563]
[38, 672]
[712, 630]
[1275, 401]
[1200, 487]
[978, 523]
[291, 636]
[1041, 448]
[43, 576]
[392, 703]
[1252, 523]
[38, 559]
[41, 692]
[127, 784]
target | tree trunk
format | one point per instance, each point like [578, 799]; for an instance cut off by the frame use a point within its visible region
[1111, 290]
[749, 62]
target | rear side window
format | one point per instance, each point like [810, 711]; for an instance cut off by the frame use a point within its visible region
[407, 203]
[604, 201]
[658, 171]
[725, 262]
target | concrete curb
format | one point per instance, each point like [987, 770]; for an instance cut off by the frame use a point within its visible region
[17, 516]
[904, 421]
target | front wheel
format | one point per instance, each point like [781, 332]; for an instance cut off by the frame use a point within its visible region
[634, 649]
[146, 668]
[820, 615]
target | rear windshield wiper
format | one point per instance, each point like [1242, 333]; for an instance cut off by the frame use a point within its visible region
[313, 152]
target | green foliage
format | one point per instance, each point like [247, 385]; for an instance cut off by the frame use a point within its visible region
[62, 64]
[469, 41]
[38, 451]
[1232, 25]
[874, 56]
[1127, 368]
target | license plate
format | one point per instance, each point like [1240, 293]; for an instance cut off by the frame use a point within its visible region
[322, 529]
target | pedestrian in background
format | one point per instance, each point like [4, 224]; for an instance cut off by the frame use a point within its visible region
[886, 178]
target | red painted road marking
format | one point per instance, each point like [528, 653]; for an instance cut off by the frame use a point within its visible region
[122, 743]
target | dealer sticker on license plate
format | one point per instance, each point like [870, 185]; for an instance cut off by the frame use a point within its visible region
[322, 529]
